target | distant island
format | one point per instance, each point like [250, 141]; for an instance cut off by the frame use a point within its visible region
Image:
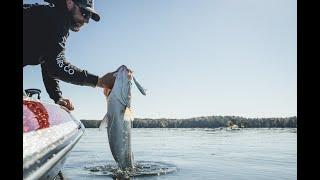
[207, 122]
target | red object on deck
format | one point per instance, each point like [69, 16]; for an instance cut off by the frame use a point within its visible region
[39, 112]
[38, 115]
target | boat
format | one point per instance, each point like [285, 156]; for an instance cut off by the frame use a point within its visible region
[49, 134]
[233, 127]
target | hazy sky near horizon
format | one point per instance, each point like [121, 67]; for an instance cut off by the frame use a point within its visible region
[194, 57]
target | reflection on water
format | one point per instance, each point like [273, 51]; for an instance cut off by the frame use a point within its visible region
[141, 168]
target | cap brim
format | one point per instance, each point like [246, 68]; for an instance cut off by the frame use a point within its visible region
[95, 16]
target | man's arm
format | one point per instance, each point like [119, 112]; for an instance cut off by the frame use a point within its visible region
[58, 67]
[51, 85]
[53, 89]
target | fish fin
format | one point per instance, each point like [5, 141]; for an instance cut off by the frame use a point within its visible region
[128, 115]
[141, 89]
[104, 122]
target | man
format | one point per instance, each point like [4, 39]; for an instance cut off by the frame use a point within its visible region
[45, 31]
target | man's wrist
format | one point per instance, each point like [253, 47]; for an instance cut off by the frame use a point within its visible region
[92, 80]
[57, 100]
[99, 83]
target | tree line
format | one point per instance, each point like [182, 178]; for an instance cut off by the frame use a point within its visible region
[207, 122]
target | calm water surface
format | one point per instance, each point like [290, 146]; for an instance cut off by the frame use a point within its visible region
[248, 154]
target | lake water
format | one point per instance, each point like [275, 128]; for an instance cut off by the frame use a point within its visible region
[248, 154]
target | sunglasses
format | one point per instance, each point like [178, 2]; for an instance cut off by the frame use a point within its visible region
[85, 13]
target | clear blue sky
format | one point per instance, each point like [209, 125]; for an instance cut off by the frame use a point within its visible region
[195, 57]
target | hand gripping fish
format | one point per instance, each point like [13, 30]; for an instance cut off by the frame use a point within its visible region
[119, 117]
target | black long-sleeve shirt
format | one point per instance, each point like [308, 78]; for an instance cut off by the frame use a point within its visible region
[45, 31]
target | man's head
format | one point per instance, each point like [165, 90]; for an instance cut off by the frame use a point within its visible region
[80, 12]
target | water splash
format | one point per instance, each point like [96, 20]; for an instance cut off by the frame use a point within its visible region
[141, 168]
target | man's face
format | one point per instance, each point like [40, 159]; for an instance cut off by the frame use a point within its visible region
[78, 16]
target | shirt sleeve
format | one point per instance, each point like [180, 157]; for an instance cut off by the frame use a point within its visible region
[57, 67]
[51, 85]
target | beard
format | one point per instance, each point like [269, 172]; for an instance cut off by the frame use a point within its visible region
[74, 25]
[74, 28]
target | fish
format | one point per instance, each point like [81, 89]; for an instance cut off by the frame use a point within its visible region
[119, 117]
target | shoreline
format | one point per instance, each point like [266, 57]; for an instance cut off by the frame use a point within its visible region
[207, 122]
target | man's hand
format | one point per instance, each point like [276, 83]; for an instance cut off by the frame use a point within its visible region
[107, 81]
[66, 104]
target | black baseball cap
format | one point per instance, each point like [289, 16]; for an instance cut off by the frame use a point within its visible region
[88, 5]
